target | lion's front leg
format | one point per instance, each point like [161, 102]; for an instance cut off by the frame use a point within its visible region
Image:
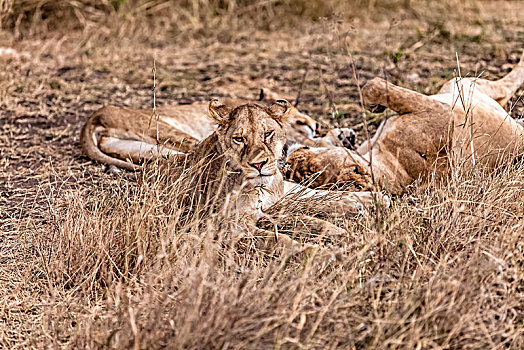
[300, 233]
[273, 240]
[339, 201]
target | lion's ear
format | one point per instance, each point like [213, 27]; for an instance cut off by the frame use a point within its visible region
[280, 110]
[267, 95]
[219, 111]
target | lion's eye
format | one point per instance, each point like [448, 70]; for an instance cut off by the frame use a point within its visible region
[238, 139]
[300, 122]
[269, 134]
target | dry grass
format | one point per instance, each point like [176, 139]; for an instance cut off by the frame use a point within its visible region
[132, 266]
[82, 12]
[198, 19]
[91, 260]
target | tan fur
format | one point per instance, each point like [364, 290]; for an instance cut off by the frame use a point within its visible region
[232, 164]
[240, 159]
[111, 134]
[328, 167]
[463, 125]
[141, 125]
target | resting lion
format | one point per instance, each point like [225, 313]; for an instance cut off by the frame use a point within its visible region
[113, 135]
[240, 159]
[463, 125]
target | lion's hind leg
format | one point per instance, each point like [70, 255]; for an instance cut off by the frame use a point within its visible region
[499, 90]
[503, 89]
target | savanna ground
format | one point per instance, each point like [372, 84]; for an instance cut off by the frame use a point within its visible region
[93, 260]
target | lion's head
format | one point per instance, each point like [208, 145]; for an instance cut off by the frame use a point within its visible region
[252, 138]
[300, 126]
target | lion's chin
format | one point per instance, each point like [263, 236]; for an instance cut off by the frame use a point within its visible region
[261, 179]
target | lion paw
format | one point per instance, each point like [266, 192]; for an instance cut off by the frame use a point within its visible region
[347, 137]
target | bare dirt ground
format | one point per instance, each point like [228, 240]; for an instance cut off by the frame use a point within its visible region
[48, 92]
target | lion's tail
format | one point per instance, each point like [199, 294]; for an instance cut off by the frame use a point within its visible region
[89, 144]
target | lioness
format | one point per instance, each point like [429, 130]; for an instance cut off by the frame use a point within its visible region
[464, 124]
[241, 157]
[114, 135]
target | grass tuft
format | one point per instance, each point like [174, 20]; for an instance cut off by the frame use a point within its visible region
[134, 265]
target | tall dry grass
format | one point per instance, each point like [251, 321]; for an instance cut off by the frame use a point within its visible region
[199, 18]
[132, 266]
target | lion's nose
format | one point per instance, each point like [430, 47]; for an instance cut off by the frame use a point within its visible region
[258, 165]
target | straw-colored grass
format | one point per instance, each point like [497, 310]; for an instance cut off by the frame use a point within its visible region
[199, 18]
[133, 266]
